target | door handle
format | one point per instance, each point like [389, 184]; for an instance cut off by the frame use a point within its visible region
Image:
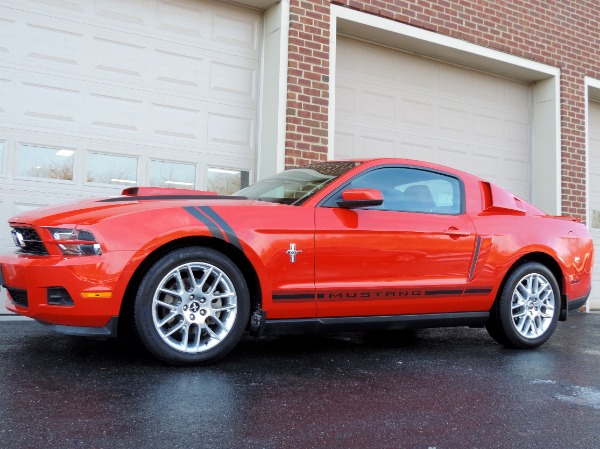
[455, 232]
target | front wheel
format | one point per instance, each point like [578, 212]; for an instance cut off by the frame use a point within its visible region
[192, 306]
[527, 310]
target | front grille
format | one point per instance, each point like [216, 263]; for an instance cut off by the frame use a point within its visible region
[32, 242]
[18, 296]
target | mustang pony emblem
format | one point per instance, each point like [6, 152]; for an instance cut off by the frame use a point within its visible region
[292, 252]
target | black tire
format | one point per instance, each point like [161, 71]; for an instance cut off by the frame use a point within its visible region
[177, 315]
[527, 309]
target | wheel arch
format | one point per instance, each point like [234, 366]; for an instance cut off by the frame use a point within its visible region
[229, 250]
[549, 262]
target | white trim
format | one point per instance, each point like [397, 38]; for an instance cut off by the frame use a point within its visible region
[591, 85]
[439, 39]
[283, 83]
[270, 154]
[332, 72]
[452, 50]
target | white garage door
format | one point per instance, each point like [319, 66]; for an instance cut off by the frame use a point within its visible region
[594, 195]
[98, 95]
[390, 103]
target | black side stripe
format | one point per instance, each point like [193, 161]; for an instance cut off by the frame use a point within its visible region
[212, 227]
[477, 291]
[475, 257]
[442, 292]
[229, 232]
[296, 296]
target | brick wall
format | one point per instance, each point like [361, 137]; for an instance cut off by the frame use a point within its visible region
[563, 34]
[308, 82]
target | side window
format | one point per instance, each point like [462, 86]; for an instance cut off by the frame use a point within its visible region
[411, 190]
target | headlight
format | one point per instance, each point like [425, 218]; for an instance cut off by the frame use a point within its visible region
[76, 242]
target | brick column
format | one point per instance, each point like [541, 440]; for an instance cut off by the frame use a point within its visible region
[308, 82]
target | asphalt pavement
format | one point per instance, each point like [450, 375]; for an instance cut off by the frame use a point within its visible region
[436, 388]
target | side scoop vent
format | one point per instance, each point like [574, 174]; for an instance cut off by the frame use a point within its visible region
[500, 202]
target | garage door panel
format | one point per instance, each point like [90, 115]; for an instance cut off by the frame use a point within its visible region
[418, 113]
[234, 80]
[175, 122]
[234, 30]
[417, 73]
[452, 120]
[378, 106]
[470, 120]
[110, 111]
[132, 11]
[231, 133]
[119, 57]
[64, 7]
[7, 101]
[594, 196]
[368, 61]
[456, 84]
[379, 145]
[8, 34]
[53, 42]
[59, 107]
[344, 144]
[178, 68]
[517, 133]
[188, 20]
[487, 126]
[517, 97]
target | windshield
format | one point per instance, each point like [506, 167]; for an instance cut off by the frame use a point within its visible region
[296, 185]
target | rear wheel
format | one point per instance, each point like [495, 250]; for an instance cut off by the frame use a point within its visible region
[192, 306]
[527, 310]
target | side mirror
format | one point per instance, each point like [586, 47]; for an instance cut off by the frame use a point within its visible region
[355, 198]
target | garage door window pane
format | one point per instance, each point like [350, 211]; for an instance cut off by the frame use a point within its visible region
[172, 174]
[226, 181]
[112, 169]
[43, 162]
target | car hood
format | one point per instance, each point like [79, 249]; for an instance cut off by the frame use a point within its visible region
[91, 211]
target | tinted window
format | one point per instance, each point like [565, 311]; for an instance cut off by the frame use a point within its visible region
[410, 190]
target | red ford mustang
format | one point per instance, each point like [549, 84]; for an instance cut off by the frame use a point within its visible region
[379, 244]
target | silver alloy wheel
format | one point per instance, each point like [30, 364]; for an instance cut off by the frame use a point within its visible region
[532, 306]
[194, 307]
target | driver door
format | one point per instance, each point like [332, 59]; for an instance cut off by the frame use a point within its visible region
[411, 254]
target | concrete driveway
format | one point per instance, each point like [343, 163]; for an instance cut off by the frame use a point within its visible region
[439, 388]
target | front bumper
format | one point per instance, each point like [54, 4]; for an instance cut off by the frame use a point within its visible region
[95, 284]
